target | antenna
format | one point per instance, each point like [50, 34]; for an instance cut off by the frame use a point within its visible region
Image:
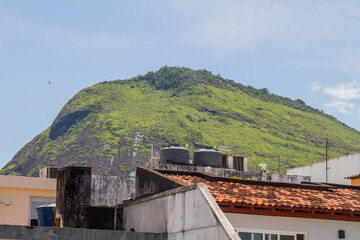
[326, 159]
[279, 164]
[117, 186]
[152, 150]
[153, 161]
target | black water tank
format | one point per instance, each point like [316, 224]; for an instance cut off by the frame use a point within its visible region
[174, 155]
[210, 157]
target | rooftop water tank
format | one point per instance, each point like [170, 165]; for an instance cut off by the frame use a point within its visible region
[45, 214]
[209, 157]
[174, 155]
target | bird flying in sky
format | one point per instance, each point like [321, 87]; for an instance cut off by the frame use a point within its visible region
[49, 82]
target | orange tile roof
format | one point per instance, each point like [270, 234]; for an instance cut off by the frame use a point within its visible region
[232, 193]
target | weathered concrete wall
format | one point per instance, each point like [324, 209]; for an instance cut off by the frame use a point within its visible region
[339, 169]
[45, 233]
[188, 212]
[273, 177]
[150, 182]
[73, 196]
[226, 172]
[103, 218]
[103, 189]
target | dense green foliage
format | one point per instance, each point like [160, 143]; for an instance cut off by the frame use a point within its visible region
[181, 106]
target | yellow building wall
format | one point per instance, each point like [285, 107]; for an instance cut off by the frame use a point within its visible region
[11, 192]
[355, 182]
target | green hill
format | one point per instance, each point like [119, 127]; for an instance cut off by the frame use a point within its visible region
[182, 106]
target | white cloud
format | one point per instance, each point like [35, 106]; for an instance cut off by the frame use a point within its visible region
[343, 96]
[344, 91]
[342, 106]
[315, 86]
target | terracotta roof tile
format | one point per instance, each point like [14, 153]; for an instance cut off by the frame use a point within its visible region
[239, 194]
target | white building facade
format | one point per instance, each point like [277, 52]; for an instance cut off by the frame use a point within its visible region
[338, 169]
[292, 228]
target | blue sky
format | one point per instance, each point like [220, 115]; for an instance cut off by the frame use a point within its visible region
[299, 49]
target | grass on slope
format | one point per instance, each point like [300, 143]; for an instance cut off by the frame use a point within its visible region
[218, 113]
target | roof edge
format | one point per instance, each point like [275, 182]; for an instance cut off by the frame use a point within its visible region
[214, 177]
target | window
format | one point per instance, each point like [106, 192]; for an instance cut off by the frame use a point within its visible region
[287, 237]
[224, 161]
[239, 163]
[245, 235]
[300, 236]
[258, 236]
[270, 235]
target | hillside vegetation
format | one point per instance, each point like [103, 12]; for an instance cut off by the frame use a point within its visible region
[177, 105]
